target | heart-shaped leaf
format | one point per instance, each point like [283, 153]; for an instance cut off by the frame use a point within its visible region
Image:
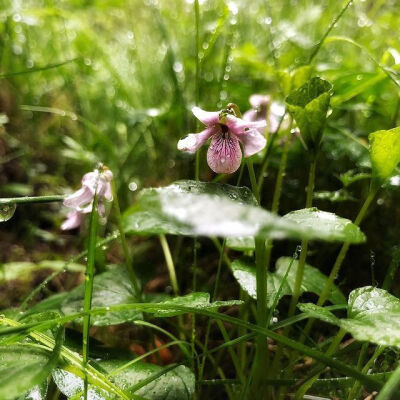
[373, 316]
[220, 215]
[385, 154]
[308, 105]
[177, 384]
[109, 288]
[313, 280]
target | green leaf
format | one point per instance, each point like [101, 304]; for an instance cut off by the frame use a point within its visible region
[109, 288]
[385, 154]
[177, 384]
[21, 369]
[373, 316]
[241, 243]
[330, 226]
[313, 281]
[198, 300]
[308, 105]
[220, 215]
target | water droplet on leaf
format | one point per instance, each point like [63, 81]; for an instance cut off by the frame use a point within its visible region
[7, 211]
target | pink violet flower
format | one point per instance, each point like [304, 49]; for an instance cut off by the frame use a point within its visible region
[264, 108]
[226, 130]
[98, 181]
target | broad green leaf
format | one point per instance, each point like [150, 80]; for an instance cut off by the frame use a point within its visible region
[330, 226]
[385, 154]
[109, 288]
[38, 392]
[336, 196]
[373, 316]
[241, 243]
[198, 300]
[150, 223]
[219, 215]
[313, 280]
[308, 105]
[21, 369]
[177, 384]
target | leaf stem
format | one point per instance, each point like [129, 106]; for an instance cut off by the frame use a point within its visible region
[32, 199]
[87, 305]
[170, 264]
[124, 245]
[339, 261]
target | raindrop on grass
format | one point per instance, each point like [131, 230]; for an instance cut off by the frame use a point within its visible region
[7, 211]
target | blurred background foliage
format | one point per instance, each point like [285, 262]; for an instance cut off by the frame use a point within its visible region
[83, 81]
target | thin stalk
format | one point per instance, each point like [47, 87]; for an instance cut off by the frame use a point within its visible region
[300, 393]
[197, 77]
[213, 296]
[339, 261]
[300, 265]
[87, 305]
[388, 392]
[304, 244]
[253, 180]
[170, 264]
[124, 245]
[328, 31]
[357, 386]
[32, 199]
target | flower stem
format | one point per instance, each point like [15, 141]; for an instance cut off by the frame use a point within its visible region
[170, 264]
[124, 245]
[32, 199]
[87, 305]
[304, 243]
[253, 180]
[339, 261]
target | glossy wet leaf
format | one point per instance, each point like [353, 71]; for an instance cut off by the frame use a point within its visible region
[244, 271]
[219, 215]
[373, 315]
[109, 288]
[197, 300]
[38, 392]
[385, 153]
[308, 105]
[330, 226]
[20, 369]
[7, 211]
[177, 384]
[241, 243]
[150, 223]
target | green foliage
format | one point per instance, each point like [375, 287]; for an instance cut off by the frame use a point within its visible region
[385, 154]
[313, 281]
[309, 105]
[372, 315]
[109, 288]
[177, 384]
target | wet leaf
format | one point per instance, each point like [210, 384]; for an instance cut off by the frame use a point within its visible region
[313, 281]
[22, 367]
[308, 105]
[109, 288]
[177, 384]
[197, 300]
[7, 211]
[385, 154]
[373, 315]
[219, 215]
[330, 226]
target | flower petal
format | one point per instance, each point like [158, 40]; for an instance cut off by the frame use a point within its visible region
[192, 142]
[74, 220]
[259, 100]
[79, 198]
[224, 154]
[208, 118]
[250, 115]
[253, 142]
[238, 125]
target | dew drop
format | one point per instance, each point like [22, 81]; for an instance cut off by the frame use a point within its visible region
[132, 186]
[7, 211]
